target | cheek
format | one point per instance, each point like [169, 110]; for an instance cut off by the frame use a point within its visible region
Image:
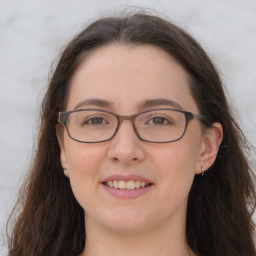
[84, 163]
[175, 178]
[176, 166]
[83, 158]
[175, 159]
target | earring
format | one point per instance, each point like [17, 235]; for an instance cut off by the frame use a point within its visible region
[65, 171]
[202, 171]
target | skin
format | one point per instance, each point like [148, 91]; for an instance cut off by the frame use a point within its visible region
[153, 223]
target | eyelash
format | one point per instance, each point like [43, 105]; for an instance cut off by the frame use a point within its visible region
[165, 120]
[90, 119]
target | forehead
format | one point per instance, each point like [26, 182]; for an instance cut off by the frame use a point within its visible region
[127, 75]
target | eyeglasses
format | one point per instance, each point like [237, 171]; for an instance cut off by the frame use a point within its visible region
[156, 125]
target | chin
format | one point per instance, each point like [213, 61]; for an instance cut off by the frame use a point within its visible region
[126, 222]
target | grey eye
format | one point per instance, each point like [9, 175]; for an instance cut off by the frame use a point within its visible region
[159, 121]
[96, 121]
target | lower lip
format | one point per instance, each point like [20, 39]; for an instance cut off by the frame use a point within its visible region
[127, 193]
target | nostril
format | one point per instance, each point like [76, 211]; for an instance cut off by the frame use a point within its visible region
[126, 147]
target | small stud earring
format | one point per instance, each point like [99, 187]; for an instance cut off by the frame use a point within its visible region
[202, 171]
[65, 171]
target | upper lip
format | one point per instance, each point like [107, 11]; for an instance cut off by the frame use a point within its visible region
[126, 178]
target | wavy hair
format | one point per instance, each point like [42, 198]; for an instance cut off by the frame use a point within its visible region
[47, 219]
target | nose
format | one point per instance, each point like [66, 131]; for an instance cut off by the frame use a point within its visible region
[126, 147]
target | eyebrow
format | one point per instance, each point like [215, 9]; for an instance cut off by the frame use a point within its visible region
[145, 104]
[160, 102]
[93, 101]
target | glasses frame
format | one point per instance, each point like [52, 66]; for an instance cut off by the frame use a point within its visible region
[63, 119]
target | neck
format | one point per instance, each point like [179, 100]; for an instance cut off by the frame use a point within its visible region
[160, 241]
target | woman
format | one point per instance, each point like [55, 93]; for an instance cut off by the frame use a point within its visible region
[138, 152]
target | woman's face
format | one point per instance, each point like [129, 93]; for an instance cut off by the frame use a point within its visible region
[125, 78]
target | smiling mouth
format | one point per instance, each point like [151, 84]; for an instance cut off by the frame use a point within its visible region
[129, 185]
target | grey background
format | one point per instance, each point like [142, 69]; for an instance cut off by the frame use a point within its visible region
[32, 33]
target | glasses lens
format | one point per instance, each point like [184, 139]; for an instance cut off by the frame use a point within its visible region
[91, 126]
[161, 125]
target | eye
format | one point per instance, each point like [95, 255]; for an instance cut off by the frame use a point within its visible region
[159, 120]
[95, 121]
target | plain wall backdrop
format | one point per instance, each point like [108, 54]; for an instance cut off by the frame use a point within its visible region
[33, 32]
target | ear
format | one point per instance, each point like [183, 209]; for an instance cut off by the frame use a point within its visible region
[63, 158]
[209, 148]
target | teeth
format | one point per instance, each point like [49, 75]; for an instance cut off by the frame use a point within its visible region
[137, 184]
[142, 184]
[121, 184]
[115, 184]
[130, 185]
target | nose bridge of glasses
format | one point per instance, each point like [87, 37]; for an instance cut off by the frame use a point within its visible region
[122, 118]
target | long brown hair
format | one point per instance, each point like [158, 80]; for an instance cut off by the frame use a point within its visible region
[47, 219]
